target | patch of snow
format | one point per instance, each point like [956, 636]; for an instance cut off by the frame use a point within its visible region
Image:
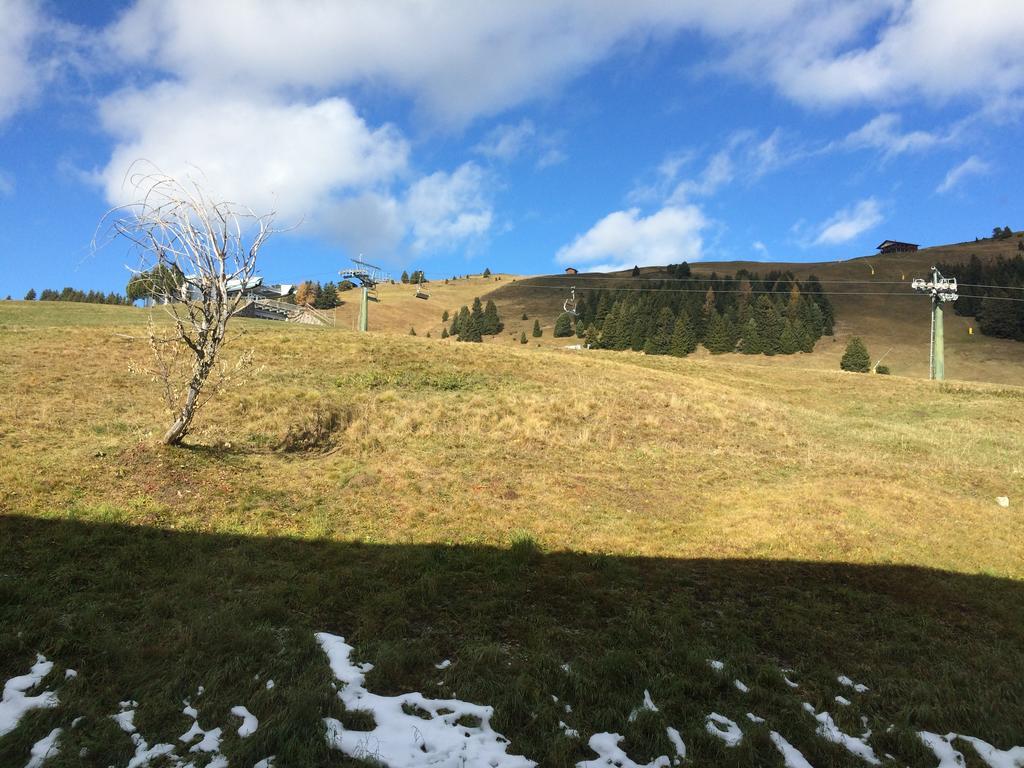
[789, 682]
[568, 709]
[943, 749]
[70, 674]
[828, 730]
[843, 701]
[791, 756]
[270, 685]
[716, 665]
[740, 686]
[566, 668]
[266, 762]
[677, 741]
[210, 741]
[571, 733]
[1003, 501]
[403, 740]
[125, 720]
[77, 720]
[996, 758]
[15, 703]
[610, 753]
[190, 711]
[43, 749]
[647, 704]
[754, 718]
[444, 664]
[249, 721]
[200, 691]
[858, 687]
[724, 728]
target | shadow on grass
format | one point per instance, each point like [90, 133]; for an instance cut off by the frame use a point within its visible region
[151, 614]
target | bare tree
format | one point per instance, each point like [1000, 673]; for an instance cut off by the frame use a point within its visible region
[179, 228]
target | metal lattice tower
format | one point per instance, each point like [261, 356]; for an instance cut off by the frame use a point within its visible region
[941, 289]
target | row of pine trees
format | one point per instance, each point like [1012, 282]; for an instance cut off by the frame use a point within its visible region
[74, 294]
[771, 315]
[998, 310]
[473, 324]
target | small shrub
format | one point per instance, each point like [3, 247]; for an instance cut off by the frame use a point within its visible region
[315, 431]
[882, 369]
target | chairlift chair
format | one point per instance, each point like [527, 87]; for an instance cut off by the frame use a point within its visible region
[569, 305]
[421, 292]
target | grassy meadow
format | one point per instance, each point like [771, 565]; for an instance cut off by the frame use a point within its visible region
[512, 509]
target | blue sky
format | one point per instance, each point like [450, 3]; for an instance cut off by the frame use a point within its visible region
[523, 136]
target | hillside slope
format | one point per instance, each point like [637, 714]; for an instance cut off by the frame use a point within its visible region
[559, 536]
[892, 320]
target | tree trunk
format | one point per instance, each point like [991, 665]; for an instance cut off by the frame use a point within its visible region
[179, 428]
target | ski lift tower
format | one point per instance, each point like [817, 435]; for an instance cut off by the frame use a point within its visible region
[368, 276]
[941, 289]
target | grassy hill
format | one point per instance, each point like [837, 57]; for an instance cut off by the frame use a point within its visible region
[895, 324]
[564, 529]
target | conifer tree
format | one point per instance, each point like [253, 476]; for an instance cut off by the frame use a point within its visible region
[31, 295]
[684, 337]
[855, 358]
[719, 338]
[750, 340]
[525, 317]
[522, 337]
[563, 326]
[487, 272]
[537, 332]
[660, 341]
[412, 331]
[491, 322]
[444, 333]
[789, 340]
[444, 316]
[769, 325]
[593, 337]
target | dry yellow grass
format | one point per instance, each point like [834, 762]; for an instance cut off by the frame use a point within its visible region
[588, 451]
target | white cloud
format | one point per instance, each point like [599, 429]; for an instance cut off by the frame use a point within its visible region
[268, 154]
[972, 166]
[506, 142]
[448, 208]
[457, 58]
[317, 162]
[883, 133]
[6, 184]
[850, 222]
[938, 49]
[626, 238]
[761, 248]
[20, 23]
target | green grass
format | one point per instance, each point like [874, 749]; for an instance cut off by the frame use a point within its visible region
[511, 510]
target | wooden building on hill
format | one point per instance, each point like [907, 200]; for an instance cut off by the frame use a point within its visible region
[894, 246]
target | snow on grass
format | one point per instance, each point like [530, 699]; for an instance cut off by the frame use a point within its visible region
[858, 687]
[789, 682]
[444, 664]
[677, 742]
[723, 728]
[570, 733]
[437, 734]
[740, 686]
[44, 749]
[843, 701]
[144, 754]
[647, 704]
[16, 703]
[754, 718]
[716, 665]
[249, 721]
[996, 758]
[270, 685]
[606, 745]
[943, 749]
[829, 731]
[791, 756]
